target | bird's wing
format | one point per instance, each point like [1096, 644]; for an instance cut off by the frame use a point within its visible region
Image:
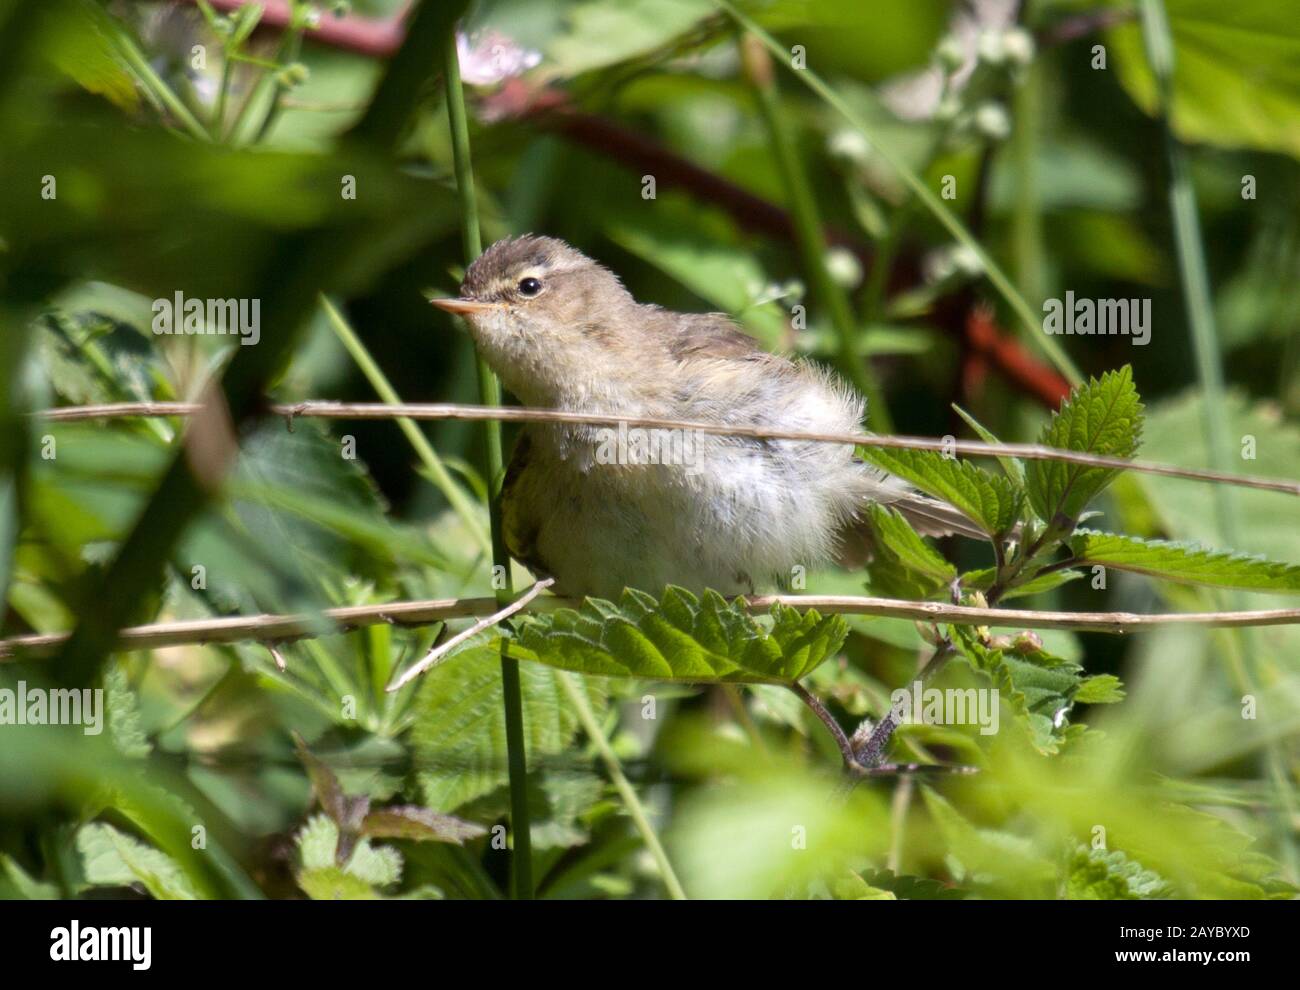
[518, 528]
[709, 336]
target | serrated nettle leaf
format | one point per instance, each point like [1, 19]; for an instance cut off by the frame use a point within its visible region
[318, 841]
[897, 538]
[990, 501]
[460, 734]
[1100, 689]
[123, 709]
[1103, 417]
[1101, 875]
[561, 802]
[1039, 688]
[111, 858]
[989, 857]
[682, 638]
[1188, 563]
[333, 883]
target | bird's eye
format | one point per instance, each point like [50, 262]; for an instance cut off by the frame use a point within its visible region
[529, 287]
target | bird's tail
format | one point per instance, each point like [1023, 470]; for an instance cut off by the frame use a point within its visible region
[928, 516]
[931, 517]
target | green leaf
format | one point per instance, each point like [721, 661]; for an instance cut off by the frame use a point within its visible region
[990, 501]
[333, 883]
[897, 538]
[990, 857]
[854, 888]
[1098, 875]
[16, 884]
[683, 638]
[114, 859]
[1039, 688]
[1236, 82]
[912, 888]
[459, 737]
[1014, 469]
[367, 868]
[124, 724]
[600, 33]
[1187, 563]
[1104, 418]
[982, 580]
[1101, 689]
[317, 841]
[562, 801]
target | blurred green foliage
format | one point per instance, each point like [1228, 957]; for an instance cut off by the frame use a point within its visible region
[162, 184]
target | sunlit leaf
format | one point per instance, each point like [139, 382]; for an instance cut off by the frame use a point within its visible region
[683, 638]
[1103, 417]
[1185, 562]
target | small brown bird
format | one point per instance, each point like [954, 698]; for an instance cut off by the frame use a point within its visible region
[603, 508]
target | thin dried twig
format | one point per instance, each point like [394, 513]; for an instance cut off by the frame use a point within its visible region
[438, 652]
[827, 719]
[441, 411]
[278, 657]
[280, 628]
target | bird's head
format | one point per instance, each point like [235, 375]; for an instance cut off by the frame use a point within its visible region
[546, 317]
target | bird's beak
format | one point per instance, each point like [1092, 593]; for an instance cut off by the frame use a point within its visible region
[463, 307]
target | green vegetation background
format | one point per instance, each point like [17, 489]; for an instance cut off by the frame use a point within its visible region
[1063, 179]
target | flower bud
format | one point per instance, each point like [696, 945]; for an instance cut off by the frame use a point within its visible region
[1018, 45]
[992, 121]
[843, 267]
[990, 48]
[951, 53]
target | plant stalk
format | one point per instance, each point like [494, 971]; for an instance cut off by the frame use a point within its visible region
[490, 394]
[808, 231]
[631, 800]
[1197, 299]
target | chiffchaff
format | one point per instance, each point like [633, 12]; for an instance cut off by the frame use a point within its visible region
[603, 508]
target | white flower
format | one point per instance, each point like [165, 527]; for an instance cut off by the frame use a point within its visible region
[850, 145]
[1018, 44]
[948, 262]
[966, 260]
[489, 57]
[951, 52]
[991, 48]
[992, 120]
[843, 267]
